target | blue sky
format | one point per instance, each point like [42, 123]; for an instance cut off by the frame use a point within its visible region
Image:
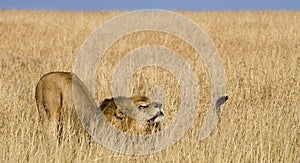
[191, 5]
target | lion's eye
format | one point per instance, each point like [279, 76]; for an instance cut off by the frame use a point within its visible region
[143, 106]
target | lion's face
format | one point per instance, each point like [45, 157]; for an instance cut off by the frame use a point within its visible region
[153, 112]
[135, 113]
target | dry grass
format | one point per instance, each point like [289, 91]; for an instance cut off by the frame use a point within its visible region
[261, 55]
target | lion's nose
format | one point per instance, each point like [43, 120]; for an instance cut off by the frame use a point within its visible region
[158, 105]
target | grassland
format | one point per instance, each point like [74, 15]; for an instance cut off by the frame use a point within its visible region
[261, 56]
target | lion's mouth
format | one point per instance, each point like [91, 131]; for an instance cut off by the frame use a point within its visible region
[158, 117]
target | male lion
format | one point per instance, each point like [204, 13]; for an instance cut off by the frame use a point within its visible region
[54, 98]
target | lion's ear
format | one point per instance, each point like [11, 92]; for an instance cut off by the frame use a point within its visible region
[119, 114]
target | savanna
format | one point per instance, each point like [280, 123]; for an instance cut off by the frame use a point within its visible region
[261, 56]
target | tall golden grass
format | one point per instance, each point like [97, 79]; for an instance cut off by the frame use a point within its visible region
[261, 56]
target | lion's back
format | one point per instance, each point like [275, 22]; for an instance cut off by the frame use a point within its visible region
[51, 86]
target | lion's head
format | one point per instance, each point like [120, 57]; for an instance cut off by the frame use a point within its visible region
[135, 114]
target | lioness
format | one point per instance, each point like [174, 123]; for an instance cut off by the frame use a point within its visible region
[56, 109]
[135, 114]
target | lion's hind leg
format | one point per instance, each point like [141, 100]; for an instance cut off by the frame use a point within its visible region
[50, 113]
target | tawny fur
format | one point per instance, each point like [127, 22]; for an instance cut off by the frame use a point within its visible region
[56, 106]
